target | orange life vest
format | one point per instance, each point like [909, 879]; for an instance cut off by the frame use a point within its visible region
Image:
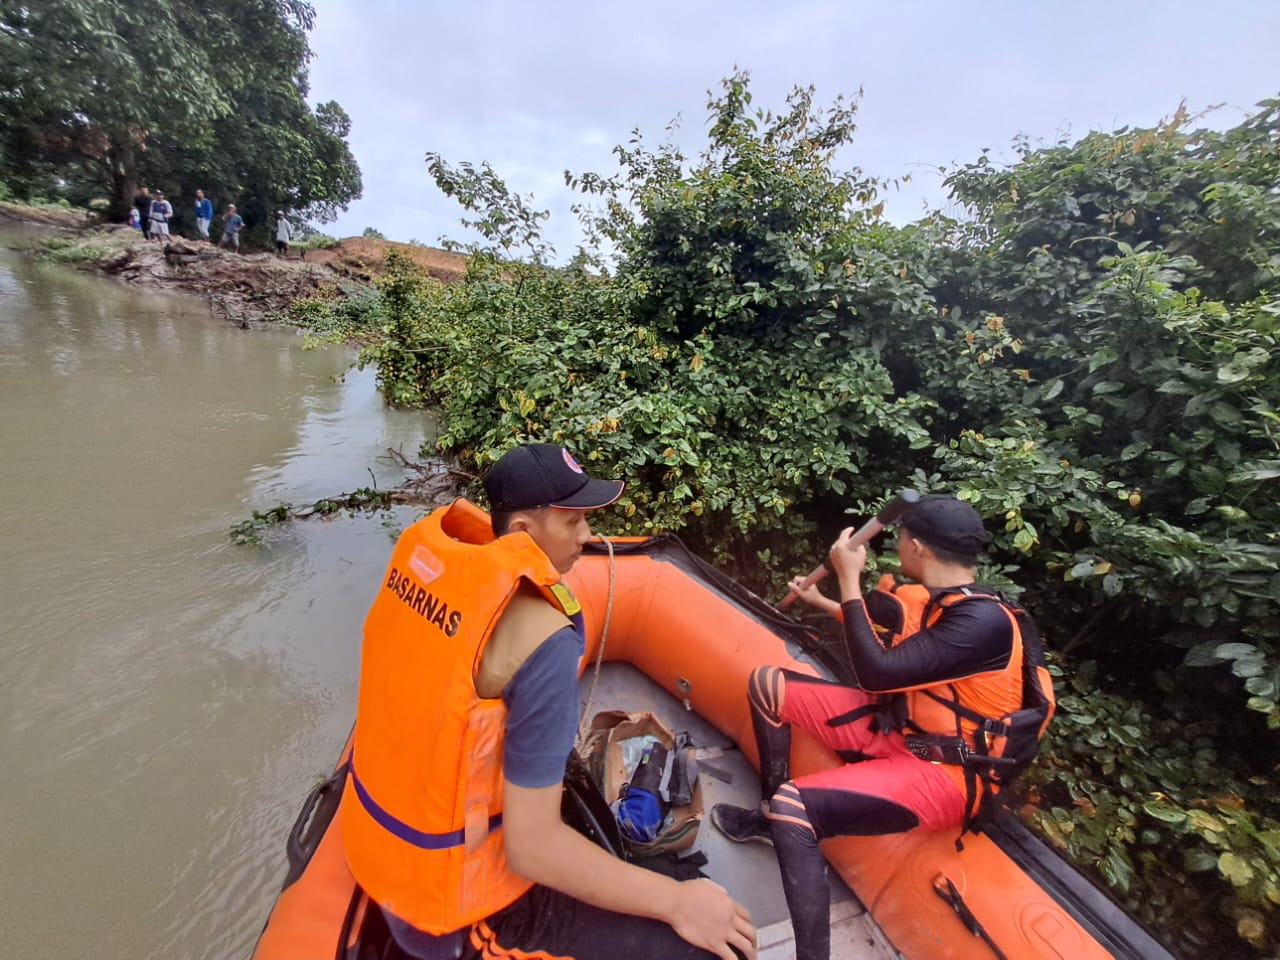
[422, 809]
[1001, 714]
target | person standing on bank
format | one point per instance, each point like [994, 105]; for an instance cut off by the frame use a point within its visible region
[232, 224]
[467, 712]
[948, 653]
[204, 214]
[283, 235]
[161, 211]
[142, 203]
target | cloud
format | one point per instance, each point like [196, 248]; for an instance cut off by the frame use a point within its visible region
[537, 89]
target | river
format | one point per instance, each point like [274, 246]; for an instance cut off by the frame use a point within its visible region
[168, 697]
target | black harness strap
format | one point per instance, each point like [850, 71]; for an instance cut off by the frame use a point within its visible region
[348, 939]
[857, 713]
[983, 771]
[980, 767]
[888, 713]
[997, 728]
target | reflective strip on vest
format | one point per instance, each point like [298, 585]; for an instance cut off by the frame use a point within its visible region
[401, 830]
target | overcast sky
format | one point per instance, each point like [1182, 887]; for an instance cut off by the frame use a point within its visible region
[537, 88]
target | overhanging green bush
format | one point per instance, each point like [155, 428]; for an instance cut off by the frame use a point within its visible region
[1091, 359]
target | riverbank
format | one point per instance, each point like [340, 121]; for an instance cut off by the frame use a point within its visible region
[245, 288]
[47, 214]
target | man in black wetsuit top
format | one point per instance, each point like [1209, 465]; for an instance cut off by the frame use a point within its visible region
[924, 643]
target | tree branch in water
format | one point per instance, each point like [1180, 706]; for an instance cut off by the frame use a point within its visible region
[431, 484]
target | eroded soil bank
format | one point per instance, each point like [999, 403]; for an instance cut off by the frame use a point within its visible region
[242, 287]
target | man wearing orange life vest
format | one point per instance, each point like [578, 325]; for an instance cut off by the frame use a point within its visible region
[468, 711]
[945, 646]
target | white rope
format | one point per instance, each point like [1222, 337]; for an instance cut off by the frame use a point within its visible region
[585, 720]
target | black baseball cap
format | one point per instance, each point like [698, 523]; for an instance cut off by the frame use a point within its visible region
[544, 475]
[947, 523]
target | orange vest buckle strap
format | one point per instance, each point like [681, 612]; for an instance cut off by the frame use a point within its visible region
[401, 830]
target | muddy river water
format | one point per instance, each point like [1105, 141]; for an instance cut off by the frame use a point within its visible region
[167, 697]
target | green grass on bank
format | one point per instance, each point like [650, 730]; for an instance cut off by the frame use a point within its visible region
[90, 247]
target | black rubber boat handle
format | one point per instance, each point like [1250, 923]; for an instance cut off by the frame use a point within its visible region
[313, 822]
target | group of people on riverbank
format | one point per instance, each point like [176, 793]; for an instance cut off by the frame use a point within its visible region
[152, 215]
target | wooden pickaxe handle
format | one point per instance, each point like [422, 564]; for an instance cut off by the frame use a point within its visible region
[891, 513]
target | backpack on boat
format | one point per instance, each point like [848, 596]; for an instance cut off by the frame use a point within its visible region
[649, 777]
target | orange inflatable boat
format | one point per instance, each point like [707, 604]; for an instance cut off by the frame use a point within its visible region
[669, 633]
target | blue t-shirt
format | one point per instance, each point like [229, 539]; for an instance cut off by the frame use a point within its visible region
[204, 209]
[232, 224]
[542, 712]
[542, 723]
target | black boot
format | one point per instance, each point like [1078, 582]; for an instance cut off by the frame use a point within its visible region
[740, 824]
[773, 741]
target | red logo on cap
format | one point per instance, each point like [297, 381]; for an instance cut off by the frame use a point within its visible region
[571, 463]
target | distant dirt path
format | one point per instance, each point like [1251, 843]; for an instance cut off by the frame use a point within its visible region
[357, 254]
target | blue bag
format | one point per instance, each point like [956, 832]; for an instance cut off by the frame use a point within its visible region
[641, 811]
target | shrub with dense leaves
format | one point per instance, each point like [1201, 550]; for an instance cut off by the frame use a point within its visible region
[1090, 358]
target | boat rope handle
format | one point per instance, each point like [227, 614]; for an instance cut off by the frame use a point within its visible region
[585, 721]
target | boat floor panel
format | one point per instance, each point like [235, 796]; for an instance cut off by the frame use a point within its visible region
[749, 871]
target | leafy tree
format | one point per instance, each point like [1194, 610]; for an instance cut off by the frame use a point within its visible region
[100, 95]
[805, 350]
[735, 316]
[506, 220]
[1140, 269]
[85, 82]
[1045, 223]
